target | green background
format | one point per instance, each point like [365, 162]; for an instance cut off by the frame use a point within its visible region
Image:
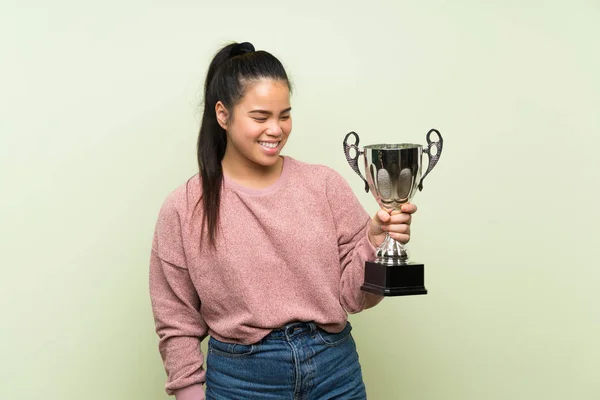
[100, 106]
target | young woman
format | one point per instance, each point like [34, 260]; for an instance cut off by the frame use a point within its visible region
[261, 252]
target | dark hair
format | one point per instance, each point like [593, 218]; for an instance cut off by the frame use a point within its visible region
[232, 68]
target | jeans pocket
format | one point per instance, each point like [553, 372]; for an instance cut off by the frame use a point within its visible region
[230, 349]
[334, 339]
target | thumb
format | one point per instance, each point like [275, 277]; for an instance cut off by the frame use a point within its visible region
[381, 217]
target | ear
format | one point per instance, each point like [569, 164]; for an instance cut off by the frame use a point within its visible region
[222, 114]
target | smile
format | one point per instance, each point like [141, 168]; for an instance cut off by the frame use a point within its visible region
[269, 145]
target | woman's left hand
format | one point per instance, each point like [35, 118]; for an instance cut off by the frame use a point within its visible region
[397, 224]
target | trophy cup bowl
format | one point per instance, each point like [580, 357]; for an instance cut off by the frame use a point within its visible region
[393, 175]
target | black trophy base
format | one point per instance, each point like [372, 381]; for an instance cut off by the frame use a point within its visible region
[395, 280]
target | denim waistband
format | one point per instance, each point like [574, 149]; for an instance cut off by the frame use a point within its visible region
[293, 329]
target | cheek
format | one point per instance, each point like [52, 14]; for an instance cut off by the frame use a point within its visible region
[286, 126]
[248, 130]
[254, 130]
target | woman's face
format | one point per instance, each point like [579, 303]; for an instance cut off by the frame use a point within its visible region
[260, 124]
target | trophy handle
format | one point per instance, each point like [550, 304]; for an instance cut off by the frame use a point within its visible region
[353, 161]
[433, 159]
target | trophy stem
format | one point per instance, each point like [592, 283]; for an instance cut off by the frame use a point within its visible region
[392, 252]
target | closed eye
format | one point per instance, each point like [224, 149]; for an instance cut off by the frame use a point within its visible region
[261, 116]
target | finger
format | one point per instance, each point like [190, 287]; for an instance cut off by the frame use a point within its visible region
[408, 208]
[397, 228]
[400, 237]
[401, 218]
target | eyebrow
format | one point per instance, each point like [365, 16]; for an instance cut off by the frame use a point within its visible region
[268, 112]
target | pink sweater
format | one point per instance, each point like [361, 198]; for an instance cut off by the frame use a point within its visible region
[294, 251]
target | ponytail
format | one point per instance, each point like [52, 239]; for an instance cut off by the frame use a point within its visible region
[230, 70]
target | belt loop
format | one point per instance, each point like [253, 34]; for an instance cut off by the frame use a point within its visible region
[313, 329]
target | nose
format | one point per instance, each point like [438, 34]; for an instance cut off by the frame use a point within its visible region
[274, 129]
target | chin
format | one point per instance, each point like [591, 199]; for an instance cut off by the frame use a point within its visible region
[268, 162]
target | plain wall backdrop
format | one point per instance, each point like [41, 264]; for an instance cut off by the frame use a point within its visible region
[99, 112]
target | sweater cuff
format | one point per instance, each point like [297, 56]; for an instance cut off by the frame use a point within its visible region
[194, 392]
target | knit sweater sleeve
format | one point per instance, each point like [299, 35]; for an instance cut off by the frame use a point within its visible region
[352, 223]
[176, 308]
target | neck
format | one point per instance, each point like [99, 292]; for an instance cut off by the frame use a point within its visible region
[250, 174]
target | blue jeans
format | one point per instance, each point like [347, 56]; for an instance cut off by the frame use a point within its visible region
[297, 362]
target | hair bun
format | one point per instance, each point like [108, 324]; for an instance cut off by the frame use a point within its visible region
[241, 48]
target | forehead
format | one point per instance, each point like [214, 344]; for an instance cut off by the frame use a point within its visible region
[267, 94]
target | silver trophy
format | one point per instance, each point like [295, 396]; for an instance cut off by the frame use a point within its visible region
[393, 175]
